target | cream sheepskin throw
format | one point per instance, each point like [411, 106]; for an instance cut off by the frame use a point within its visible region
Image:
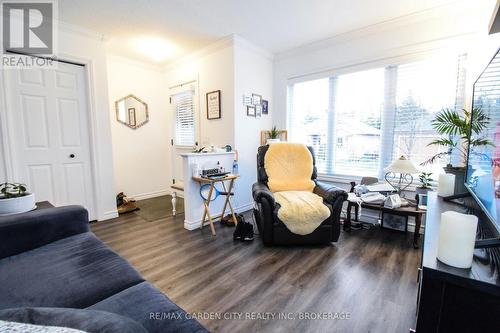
[301, 211]
[289, 167]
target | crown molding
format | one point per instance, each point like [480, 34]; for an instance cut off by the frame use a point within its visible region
[219, 44]
[112, 56]
[78, 30]
[225, 42]
[249, 46]
[427, 15]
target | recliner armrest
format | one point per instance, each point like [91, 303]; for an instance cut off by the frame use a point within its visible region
[329, 193]
[260, 190]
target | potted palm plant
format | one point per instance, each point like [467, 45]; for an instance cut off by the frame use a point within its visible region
[458, 132]
[15, 199]
[273, 135]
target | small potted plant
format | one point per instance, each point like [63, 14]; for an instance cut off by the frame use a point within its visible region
[425, 183]
[273, 135]
[15, 199]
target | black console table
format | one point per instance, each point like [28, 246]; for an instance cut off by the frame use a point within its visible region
[452, 299]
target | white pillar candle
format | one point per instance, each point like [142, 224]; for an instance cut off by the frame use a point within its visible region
[446, 186]
[457, 236]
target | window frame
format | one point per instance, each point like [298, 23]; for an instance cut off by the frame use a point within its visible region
[359, 67]
[178, 89]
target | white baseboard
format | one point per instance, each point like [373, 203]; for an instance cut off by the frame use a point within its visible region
[195, 224]
[149, 195]
[108, 215]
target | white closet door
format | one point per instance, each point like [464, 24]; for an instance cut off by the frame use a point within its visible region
[49, 124]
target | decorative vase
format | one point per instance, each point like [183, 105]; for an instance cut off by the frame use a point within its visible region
[422, 190]
[272, 140]
[17, 205]
[459, 173]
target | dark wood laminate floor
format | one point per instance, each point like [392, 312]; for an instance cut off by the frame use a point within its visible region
[370, 274]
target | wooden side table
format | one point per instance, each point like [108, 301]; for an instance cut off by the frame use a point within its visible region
[402, 211]
[227, 202]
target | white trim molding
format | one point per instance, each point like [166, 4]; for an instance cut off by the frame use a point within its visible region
[150, 195]
[109, 215]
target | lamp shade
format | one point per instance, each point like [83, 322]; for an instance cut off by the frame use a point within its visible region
[402, 165]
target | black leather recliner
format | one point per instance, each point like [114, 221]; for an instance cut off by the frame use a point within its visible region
[273, 231]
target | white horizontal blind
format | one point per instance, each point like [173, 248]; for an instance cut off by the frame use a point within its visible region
[358, 123]
[184, 118]
[308, 121]
[359, 100]
[423, 89]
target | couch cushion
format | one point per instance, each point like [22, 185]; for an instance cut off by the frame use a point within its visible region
[74, 272]
[80, 319]
[151, 308]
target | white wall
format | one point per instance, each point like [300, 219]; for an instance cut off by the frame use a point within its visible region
[253, 74]
[82, 47]
[214, 70]
[403, 39]
[236, 67]
[141, 157]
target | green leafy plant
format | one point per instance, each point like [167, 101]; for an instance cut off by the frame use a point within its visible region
[12, 190]
[198, 150]
[458, 132]
[273, 133]
[425, 180]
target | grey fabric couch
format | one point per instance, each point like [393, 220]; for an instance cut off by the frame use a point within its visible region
[49, 258]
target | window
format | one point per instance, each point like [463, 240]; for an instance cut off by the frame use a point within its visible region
[184, 118]
[359, 122]
[358, 102]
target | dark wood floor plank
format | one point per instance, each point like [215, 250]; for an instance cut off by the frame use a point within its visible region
[370, 274]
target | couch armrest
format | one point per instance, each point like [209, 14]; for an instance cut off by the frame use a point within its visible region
[330, 193]
[27, 231]
[260, 190]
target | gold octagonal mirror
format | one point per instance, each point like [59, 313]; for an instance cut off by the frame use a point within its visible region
[131, 111]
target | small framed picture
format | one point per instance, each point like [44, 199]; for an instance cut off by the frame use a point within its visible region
[251, 111]
[213, 105]
[131, 117]
[247, 100]
[256, 99]
[394, 222]
[258, 110]
[265, 107]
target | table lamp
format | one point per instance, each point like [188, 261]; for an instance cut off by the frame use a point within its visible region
[405, 168]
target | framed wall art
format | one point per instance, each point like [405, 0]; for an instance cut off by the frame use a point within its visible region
[251, 111]
[213, 105]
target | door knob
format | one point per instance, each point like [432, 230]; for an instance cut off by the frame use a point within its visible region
[72, 156]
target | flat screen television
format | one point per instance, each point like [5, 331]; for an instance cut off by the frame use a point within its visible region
[483, 163]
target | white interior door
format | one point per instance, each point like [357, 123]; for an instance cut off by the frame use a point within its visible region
[49, 126]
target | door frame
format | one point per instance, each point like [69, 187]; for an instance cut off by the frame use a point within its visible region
[7, 138]
[196, 99]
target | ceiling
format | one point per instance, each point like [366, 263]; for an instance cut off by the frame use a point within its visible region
[178, 27]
